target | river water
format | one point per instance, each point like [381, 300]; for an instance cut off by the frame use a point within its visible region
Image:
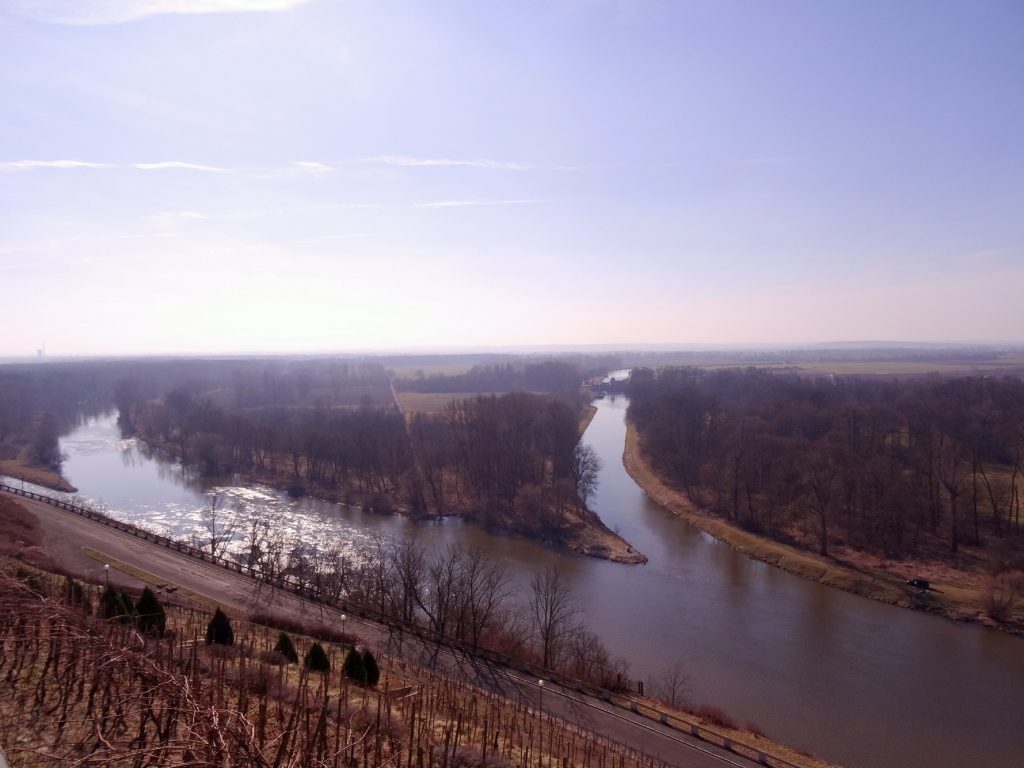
[844, 677]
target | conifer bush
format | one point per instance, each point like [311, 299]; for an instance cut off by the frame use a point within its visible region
[354, 668]
[316, 659]
[150, 617]
[370, 668]
[219, 631]
[286, 648]
[112, 605]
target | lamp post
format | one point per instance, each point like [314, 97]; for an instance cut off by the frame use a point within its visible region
[343, 618]
[106, 573]
[540, 687]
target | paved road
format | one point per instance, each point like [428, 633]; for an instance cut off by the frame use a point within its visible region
[66, 534]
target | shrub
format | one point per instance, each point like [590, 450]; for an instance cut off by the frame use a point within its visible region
[286, 648]
[354, 668]
[112, 605]
[150, 616]
[296, 488]
[219, 631]
[370, 668]
[716, 716]
[316, 659]
[1001, 592]
[381, 504]
[129, 608]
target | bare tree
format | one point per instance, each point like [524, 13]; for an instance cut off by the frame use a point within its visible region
[552, 613]
[585, 468]
[218, 523]
[484, 589]
[673, 687]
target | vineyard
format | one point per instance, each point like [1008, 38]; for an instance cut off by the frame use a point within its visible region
[82, 690]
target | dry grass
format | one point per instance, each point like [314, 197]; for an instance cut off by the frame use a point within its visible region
[588, 416]
[429, 402]
[20, 533]
[18, 469]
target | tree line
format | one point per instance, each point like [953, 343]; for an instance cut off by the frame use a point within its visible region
[512, 461]
[549, 375]
[897, 467]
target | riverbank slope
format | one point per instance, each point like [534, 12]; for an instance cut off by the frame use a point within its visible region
[956, 595]
[22, 469]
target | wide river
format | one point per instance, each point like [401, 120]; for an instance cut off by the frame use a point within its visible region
[846, 678]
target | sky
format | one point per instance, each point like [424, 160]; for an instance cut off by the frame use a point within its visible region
[215, 176]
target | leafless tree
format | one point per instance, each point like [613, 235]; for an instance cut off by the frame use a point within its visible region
[219, 524]
[673, 686]
[552, 612]
[585, 468]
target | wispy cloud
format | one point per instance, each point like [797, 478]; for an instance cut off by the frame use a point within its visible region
[95, 12]
[479, 202]
[406, 161]
[167, 165]
[299, 168]
[21, 165]
[313, 167]
[329, 239]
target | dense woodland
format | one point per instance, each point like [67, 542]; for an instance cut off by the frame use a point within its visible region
[496, 458]
[903, 468]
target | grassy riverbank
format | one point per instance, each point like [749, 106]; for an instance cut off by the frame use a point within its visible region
[959, 595]
[22, 469]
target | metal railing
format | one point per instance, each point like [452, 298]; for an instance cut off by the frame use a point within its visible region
[621, 701]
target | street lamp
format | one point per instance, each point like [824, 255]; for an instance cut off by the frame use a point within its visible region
[343, 618]
[540, 687]
[106, 572]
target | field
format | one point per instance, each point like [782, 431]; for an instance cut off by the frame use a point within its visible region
[429, 402]
[912, 362]
[428, 370]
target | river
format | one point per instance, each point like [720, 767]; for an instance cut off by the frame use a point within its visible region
[849, 679]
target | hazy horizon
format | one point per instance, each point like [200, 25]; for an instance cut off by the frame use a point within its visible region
[311, 177]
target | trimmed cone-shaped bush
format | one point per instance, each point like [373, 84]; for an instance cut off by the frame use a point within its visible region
[371, 668]
[354, 668]
[112, 605]
[286, 648]
[219, 631]
[150, 617]
[316, 659]
[129, 608]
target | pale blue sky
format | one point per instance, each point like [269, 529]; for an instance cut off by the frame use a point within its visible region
[335, 175]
